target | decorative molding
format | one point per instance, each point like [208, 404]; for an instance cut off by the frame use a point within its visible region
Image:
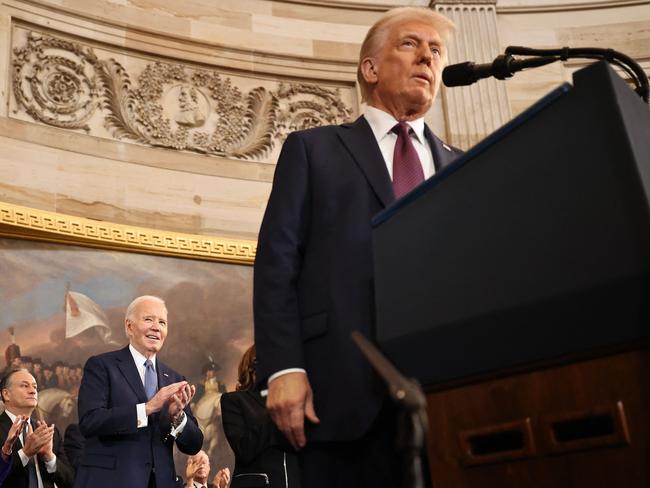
[518, 8]
[348, 5]
[69, 85]
[17, 221]
[462, 2]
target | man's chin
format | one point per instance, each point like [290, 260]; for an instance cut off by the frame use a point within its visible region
[419, 105]
[154, 346]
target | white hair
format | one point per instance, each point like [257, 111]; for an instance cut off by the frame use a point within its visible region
[130, 310]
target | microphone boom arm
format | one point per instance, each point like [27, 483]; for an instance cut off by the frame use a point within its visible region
[505, 65]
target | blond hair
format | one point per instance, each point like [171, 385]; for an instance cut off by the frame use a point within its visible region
[377, 34]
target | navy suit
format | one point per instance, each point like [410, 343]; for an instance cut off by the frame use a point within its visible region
[117, 453]
[18, 477]
[313, 280]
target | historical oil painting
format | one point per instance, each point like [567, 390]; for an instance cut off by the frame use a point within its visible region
[62, 303]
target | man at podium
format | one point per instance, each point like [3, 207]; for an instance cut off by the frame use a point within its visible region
[313, 271]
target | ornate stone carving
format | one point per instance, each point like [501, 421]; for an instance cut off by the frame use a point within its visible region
[174, 106]
[58, 90]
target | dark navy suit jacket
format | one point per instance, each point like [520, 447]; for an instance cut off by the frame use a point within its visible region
[313, 279]
[118, 454]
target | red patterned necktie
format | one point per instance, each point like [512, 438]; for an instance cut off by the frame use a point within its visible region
[407, 169]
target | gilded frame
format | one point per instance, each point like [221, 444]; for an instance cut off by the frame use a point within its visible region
[28, 223]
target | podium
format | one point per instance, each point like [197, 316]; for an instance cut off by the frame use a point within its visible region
[515, 286]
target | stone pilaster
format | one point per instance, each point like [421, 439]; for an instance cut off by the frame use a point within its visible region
[474, 111]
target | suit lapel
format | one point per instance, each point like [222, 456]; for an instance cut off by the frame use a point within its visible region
[442, 153]
[5, 425]
[362, 145]
[128, 369]
[164, 378]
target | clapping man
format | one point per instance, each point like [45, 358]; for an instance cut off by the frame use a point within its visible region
[198, 472]
[40, 461]
[133, 409]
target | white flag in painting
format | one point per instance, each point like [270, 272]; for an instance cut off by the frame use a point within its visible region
[81, 313]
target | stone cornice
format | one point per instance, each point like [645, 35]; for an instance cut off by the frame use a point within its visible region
[518, 7]
[29, 223]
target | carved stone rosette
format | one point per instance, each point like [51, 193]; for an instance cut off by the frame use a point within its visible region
[53, 88]
[174, 106]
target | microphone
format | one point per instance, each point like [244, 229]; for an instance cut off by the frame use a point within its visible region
[503, 66]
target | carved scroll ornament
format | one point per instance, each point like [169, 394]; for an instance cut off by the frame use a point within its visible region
[64, 84]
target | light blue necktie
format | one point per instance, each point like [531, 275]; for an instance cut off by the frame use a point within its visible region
[150, 379]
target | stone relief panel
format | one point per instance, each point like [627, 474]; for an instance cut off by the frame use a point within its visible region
[160, 103]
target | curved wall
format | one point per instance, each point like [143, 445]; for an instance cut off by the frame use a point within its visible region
[170, 114]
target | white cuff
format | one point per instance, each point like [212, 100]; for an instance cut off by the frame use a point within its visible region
[177, 430]
[283, 372]
[50, 465]
[141, 410]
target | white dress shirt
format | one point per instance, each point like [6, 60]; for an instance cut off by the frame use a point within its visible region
[50, 465]
[140, 408]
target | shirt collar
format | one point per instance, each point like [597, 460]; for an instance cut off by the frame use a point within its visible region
[11, 416]
[382, 123]
[139, 359]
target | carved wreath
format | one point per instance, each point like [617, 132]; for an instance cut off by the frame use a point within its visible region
[63, 84]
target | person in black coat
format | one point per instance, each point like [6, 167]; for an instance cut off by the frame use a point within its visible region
[263, 456]
[39, 450]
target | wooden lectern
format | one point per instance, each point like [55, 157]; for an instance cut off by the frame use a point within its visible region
[515, 286]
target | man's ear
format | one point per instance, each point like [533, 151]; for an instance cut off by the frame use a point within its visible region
[369, 70]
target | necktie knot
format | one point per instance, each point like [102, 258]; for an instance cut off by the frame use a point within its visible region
[402, 128]
[148, 364]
